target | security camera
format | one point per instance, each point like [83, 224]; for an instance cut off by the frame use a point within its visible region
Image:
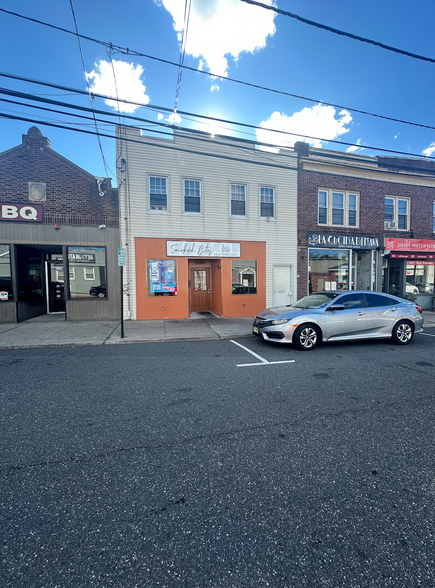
[101, 226]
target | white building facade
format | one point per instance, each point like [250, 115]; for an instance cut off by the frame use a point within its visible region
[208, 225]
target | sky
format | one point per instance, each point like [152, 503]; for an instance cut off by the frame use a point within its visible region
[302, 71]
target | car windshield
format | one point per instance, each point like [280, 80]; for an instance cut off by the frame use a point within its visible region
[314, 300]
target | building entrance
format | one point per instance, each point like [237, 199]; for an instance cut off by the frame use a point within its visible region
[200, 289]
[55, 285]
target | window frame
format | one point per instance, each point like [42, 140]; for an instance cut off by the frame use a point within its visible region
[396, 215]
[260, 216]
[245, 186]
[201, 201]
[346, 208]
[151, 210]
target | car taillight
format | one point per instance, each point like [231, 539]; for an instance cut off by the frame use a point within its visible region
[418, 308]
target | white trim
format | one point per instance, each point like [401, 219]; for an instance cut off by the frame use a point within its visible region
[230, 200]
[157, 210]
[274, 216]
[183, 195]
[394, 225]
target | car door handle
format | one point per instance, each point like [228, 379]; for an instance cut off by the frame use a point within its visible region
[392, 309]
[360, 313]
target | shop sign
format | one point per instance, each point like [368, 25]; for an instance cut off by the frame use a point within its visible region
[409, 244]
[21, 212]
[202, 249]
[412, 256]
[82, 257]
[424, 261]
[347, 241]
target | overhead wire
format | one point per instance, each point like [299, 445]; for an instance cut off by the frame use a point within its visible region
[339, 32]
[106, 167]
[187, 7]
[133, 53]
[278, 132]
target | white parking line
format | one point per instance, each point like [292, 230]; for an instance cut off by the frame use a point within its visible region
[428, 334]
[263, 361]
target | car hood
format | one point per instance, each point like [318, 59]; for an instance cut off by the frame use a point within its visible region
[286, 312]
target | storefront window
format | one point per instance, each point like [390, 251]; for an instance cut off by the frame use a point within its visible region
[88, 265]
[5, 273]
[244, 276]
[162, 277]
[420, 277]
[328, 269]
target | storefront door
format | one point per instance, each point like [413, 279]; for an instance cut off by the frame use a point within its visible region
[200, 289]
[55, 286]
[363, 270]
[282, 288]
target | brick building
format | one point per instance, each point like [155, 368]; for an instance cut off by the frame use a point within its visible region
[59, 234]
[365, 223]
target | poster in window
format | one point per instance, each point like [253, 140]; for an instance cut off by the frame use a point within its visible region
[162, 276]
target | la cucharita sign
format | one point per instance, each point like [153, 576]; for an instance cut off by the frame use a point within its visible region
[347, 241]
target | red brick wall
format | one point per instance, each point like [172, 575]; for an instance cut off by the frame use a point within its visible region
[371, 215]
[70, 190]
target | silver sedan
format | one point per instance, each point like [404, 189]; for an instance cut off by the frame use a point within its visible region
[340, 316]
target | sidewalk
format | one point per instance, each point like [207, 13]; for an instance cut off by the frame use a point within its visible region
[54, 331]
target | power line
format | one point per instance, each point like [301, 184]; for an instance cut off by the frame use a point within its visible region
[87, 84]
[133, 53]
[322, 139]
[339, 32]
[182, 50]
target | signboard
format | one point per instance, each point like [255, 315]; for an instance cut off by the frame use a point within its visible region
[21, 212]
[410, 245]
[162, 275]
[121, 256]
[82, 257]
[342, 241]
[202, 249]
[413, 256]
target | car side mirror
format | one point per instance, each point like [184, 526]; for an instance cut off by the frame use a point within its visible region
[336, 307]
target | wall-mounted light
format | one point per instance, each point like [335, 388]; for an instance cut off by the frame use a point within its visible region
[57, 227]
[101, 226]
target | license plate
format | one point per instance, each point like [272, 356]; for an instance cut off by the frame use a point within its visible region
[256, 330]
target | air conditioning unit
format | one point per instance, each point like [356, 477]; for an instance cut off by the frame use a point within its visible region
[390, 225]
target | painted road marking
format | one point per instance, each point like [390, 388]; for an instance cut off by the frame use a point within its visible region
[427, 334]
[262, 360]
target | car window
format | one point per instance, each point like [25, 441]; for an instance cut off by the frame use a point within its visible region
[373, 300]
[314, 300]
[351, 301]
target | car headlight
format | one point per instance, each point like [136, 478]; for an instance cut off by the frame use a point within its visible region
[280, 321]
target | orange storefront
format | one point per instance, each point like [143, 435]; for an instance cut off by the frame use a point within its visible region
[176, 278]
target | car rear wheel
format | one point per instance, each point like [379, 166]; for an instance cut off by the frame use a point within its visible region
[403, 333]
[306, 337]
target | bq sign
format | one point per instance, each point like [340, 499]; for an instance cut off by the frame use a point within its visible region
[21, 212]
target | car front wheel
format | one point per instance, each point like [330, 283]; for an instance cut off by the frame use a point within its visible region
[306, 337]
[403, 333]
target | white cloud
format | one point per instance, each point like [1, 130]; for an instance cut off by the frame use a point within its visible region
[125, 84]
[174, 118]
[160, 116]
[431, 149]
[214, 88]
[354, 148]
[395, 136]
[318, 121]
[220, 28]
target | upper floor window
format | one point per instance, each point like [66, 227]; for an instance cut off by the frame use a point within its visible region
[396, 213]
[267, 202]
[338, 208]
[433, 217]
[158, 193]
[238, 200]
[192, 196]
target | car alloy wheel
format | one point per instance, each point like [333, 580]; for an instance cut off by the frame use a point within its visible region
[306, 337]
[403, 333]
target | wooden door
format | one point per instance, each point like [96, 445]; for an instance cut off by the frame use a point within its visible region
[200, 290]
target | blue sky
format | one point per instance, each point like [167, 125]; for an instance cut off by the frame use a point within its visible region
[235, 40]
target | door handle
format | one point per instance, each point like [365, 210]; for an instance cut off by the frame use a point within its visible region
[360, 313]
